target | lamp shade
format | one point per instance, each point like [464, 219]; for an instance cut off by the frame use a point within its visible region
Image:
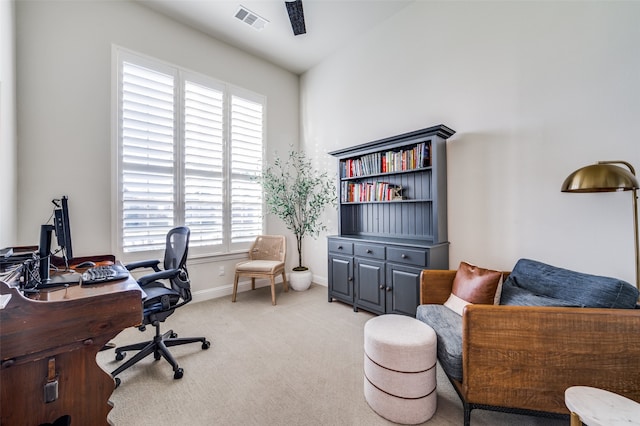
[600, 178]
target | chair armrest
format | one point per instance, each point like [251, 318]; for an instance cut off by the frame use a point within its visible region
[533, 354]
[160, 275]
[435, 286]
[153, 264]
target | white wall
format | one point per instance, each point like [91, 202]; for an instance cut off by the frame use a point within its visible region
[8, 141]
[64, 110]
[534, 90]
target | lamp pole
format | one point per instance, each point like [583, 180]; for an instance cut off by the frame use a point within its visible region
[634, 196]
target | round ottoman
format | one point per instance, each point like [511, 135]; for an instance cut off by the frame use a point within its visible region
[400, 368]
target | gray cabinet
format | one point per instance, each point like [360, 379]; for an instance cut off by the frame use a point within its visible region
[392, 220]
[403, 294]
[341, 278]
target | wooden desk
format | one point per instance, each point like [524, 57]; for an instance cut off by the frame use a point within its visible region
[56, 338]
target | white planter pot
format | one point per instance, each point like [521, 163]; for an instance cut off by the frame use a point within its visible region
[299, 280]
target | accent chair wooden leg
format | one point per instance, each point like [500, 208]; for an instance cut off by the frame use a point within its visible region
[253, 283]
[575, 419]
[284, 282]
[273, 290]
[235, 288]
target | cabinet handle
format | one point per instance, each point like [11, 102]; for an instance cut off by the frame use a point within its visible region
[404, 256]
[339, 247]
[381, 287]
[350, 279]
[389, 288]
[369, 251]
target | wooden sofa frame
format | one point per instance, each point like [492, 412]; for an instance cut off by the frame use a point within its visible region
[523, 358]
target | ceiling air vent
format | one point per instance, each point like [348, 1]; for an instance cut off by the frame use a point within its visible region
[248, 17]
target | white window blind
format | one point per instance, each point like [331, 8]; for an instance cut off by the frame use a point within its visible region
[189, 150]
[246, 165]
[203, 180]
[148, 157]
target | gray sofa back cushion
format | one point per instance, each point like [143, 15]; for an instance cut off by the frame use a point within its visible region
[533, 283]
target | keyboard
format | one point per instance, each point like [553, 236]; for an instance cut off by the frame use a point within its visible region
[104, 273]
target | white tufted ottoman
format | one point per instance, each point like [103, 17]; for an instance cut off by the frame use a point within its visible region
[400, 368]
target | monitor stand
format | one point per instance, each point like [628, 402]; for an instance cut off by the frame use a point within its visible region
[59, 279]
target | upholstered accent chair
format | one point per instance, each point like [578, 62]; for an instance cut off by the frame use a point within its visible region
[552, 329]
[266, 260]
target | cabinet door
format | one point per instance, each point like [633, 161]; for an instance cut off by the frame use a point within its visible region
[341, 278]
[370, 286]
[403, 283]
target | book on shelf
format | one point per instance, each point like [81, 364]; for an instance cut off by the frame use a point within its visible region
[362, 192]
[418, 156]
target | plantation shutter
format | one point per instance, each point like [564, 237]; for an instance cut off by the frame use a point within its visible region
[148, 157]
[189, 149]
[246, 164]
[203, 182]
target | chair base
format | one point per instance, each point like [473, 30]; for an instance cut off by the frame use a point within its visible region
[254, 275]
[159, 347]
[468, 406]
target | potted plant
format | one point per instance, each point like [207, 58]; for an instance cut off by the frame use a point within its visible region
[297, 193]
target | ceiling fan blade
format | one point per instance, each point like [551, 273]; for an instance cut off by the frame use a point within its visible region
[296, 16]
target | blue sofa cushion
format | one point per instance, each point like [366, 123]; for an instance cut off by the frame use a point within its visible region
[448, 327]
[516, 296]
[533, 283]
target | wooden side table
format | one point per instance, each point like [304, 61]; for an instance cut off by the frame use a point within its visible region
[598, 407]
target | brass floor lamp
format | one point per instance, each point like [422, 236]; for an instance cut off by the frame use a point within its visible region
[604, 176]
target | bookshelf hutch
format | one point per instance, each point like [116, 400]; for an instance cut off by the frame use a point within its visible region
[392, 220]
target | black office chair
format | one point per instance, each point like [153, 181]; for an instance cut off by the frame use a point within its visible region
[161, 301]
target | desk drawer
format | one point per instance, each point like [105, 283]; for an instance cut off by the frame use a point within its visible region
[369, 250]
[340, 247]
[408, 256]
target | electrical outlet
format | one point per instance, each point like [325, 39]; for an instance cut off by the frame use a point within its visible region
[221, 271]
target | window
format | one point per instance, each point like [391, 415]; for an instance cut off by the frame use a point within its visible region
[188, 149]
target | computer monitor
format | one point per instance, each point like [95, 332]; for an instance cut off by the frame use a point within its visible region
[62, 230]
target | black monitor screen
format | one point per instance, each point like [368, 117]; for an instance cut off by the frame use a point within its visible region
[63, 235]
[62, 229]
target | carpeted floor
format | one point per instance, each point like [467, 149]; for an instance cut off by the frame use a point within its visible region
[297, 363]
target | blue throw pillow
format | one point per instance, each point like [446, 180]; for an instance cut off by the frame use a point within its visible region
[553, 286]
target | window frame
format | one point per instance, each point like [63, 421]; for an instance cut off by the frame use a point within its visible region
[180, 75]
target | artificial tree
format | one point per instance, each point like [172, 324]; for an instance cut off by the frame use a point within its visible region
[297, 193]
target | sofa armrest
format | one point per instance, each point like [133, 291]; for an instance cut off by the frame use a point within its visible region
[435, 286]
[533, 354]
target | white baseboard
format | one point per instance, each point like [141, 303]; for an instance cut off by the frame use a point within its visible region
[227, 290]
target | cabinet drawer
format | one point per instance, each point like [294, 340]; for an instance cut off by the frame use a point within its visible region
[408, 256]
[341, 247]
[368, 250]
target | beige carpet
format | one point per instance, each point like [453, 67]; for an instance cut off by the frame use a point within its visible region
[297, 363]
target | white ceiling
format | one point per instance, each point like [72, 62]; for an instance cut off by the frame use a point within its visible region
[329, 23]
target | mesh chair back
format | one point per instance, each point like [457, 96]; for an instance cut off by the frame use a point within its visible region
[175, 257]
[268, 247]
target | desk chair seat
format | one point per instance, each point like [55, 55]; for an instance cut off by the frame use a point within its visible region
[161, 302]
[266, 260]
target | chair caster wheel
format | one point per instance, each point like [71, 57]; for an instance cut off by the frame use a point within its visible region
[118, 381]
[173, 335]
[157, 355]
[120, 356]
[206, 344]
[178, 374]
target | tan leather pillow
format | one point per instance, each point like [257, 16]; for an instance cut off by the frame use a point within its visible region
[473, 284]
